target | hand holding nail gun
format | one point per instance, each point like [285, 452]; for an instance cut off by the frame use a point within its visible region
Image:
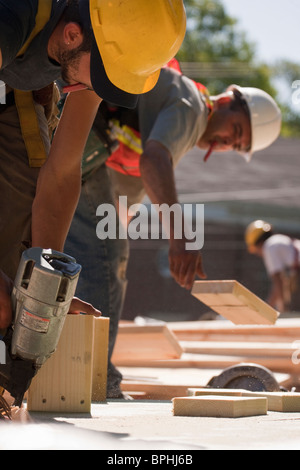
[42, 296]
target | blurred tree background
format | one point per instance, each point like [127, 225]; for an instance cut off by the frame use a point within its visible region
[217, 53]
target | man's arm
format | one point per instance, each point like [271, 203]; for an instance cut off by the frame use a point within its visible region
[276, 297]
[59, 182]
[158, 178]
[58, 190]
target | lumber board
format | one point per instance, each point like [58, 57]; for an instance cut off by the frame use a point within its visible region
[136, 344]
[195, 392]
[211, 361]
[64, 383]
[284, 402]
[237, 348]
[155, 391]
[219, 406]
[284, 330]
[233, 301]
[100, 359]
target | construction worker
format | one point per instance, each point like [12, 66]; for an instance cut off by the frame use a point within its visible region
[102, 49]
[134, 152]
[281, 257]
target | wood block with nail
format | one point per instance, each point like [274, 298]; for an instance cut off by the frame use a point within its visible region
[64, 382]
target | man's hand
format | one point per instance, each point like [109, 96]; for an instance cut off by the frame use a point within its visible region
[6, 286]
[79, 306]
[185, 265]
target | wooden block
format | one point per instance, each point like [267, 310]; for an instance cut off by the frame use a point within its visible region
[219, 406]
[101, 337]
[277, 401]
[136, 345]
[64, 383]
[195, 392]
[154, 391]
[237, 348]
[234, 302]
[286, 402]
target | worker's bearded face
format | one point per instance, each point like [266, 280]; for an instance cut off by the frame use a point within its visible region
[75, 66]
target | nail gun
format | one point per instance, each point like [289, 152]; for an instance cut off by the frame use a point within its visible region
[44, 287]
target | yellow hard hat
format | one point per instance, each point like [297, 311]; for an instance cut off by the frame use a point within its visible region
[136, 38]
[255, 230]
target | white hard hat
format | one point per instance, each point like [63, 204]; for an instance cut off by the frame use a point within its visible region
[265, 117]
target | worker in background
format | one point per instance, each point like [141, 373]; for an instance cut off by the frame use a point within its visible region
[281, 257]
[115, 59]
[134, 152]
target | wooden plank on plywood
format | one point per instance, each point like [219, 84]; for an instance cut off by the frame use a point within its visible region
[136, 344]
[286, 402]
[237, 348]
[235, 302]
[219, 406]
[285, 330]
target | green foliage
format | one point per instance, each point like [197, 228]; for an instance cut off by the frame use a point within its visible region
[222, 52]
[288, 73]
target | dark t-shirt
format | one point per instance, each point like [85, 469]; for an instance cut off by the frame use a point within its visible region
[33, 70]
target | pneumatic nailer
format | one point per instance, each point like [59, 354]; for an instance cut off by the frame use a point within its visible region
[44, 287]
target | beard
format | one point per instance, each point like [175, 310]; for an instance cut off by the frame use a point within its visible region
[69, 62]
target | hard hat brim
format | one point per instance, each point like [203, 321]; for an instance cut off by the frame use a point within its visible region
[101, 84]
[104, 87]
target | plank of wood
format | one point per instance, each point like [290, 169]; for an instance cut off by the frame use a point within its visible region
[64, 382]
[219, 406]
[235, 302]
[284, 402]
[195, 392]
[100, 358]
[284, 328]
[155, 391]
[210, 361]
[137, 344]
[237, 348]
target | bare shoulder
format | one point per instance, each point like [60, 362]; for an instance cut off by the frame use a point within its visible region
[85, 99]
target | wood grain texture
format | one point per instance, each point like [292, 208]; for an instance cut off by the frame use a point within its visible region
[100, 358]
[138, 344]
[219, 406]
[286, 402]
[233, 301]
[64, 383]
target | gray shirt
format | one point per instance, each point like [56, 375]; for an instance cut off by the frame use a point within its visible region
[174, 113]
